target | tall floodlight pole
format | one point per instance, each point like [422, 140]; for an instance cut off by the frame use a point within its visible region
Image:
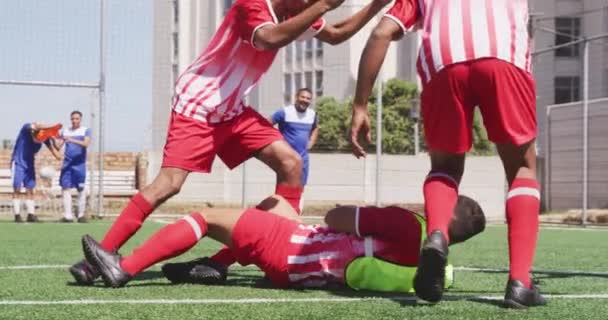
[415, 116]
[585, 130]
[378, 137]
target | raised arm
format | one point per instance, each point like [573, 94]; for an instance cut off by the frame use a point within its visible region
[342, 31]
[371, 61]
[271, 37]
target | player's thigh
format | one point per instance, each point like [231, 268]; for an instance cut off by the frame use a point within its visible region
[18, 176]
[191, 144]
[79, 176]
[65, 178]
[507, 101]
[305, 170]
[29, 180]
[250, 133]
[447, 110]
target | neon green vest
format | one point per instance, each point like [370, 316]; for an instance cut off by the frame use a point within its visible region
[371, 273]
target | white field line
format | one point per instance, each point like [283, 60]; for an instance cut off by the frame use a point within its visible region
[281, 300]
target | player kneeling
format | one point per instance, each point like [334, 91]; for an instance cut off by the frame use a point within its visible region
[362, 247]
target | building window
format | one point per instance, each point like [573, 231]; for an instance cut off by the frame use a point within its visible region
[567, 89]
[288, 56]
[298, 80]
[319, 83]
[287, 88]
[299, 50]
[319, 48]
[568, 30]
[175, 45]
[227, 5]
[309, 49]
[308, 79]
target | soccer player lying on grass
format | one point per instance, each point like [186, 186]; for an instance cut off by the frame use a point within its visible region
[363, 247]
[210, 115]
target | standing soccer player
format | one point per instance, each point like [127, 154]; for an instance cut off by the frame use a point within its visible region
[473, 53]
[28, 143]
[298, 125]
[74, 170]
[210, 116]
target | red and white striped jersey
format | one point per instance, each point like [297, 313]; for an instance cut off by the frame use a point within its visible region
[318, 257]
[213, 87]
[456, 31]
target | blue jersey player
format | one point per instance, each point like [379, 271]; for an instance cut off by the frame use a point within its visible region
[298, 125]
[74, 169]
[23, 170]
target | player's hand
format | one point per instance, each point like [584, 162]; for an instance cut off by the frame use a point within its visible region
[360, 127]
[333, 3]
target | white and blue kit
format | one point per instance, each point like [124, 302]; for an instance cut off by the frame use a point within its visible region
[296, 128]
[74, 169]
[22, 159]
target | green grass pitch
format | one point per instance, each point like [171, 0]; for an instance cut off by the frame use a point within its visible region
[581, 292]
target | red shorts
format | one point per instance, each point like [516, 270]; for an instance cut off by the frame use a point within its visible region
[263, 238]
[192, 145]
[505, 94]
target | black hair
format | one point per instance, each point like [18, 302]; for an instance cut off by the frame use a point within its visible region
[303, 90]
[468, 220]
[76, 112]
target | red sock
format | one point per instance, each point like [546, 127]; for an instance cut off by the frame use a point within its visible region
[224, 256]
[440, 197]
[523, 206]
[293, 195]
[129, 221]
[170, 241]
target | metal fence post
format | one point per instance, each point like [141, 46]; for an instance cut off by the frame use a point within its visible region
[585, 130]
[378, 138]
[102, 90]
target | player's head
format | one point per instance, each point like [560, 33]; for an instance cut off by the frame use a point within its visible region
[75, 118]
[303, 99]
[468, 220]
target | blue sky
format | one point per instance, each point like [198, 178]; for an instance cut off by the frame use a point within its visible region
[59, 41]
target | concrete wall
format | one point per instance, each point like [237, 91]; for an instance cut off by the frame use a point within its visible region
[340, 178]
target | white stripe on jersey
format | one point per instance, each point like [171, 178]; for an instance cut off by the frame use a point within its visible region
[323, 238]
[326, 255]
[503, 39]
[436, 40]
[301, 276]
[521, 33]
[456, 31]
[479, 21]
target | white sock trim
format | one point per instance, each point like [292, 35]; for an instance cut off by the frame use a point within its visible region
[357, 221]
[67, 204]
[524, 191]
[17, 206]
[195, 227]
[442, 175]
[30, 205]
[82, 203]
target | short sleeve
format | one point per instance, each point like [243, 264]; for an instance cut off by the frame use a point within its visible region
[314, 29]
[251, 16]
[278, 117]
[87, 133]
[404, 13]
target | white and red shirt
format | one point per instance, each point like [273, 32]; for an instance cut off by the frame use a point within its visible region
[318, 257]
[456, 31]
[213, 87]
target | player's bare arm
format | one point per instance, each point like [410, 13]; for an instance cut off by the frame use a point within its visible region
[314, 134]
[272, 37]
[53, 149]
[84, 143]
[371, 61]
[342, 31]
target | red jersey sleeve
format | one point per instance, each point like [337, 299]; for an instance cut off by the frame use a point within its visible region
[405, 13]
[250, 16]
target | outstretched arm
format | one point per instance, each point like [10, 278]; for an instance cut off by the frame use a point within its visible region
[272, 37]
[342, 31]
[50, 144]
[371, 61]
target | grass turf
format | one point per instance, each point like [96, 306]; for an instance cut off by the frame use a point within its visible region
[58, 244]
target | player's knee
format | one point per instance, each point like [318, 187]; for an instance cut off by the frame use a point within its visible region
[291, 164]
